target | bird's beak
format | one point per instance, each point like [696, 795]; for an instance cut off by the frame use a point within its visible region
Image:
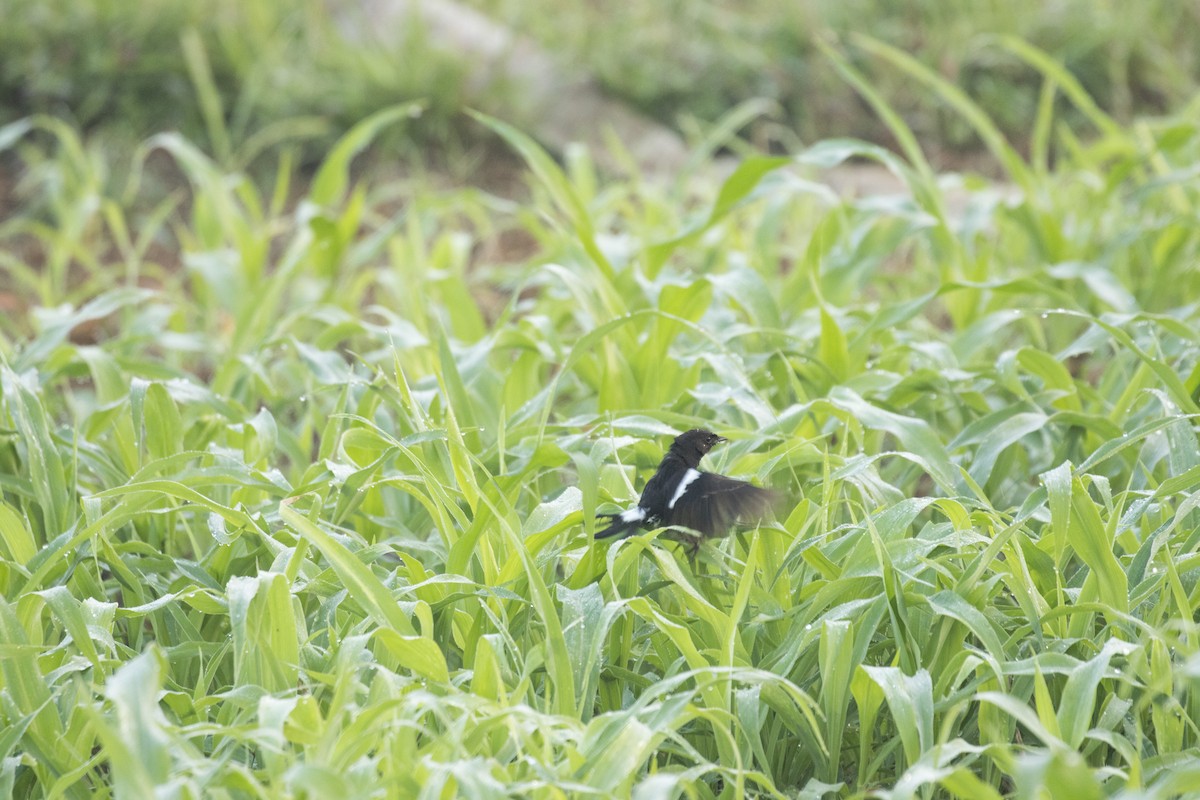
[721, 439]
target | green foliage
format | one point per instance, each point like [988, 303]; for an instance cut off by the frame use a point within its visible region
[1131, 59]
[296, 497]
[241, 78]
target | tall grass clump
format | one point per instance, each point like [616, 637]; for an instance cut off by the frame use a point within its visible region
[296, 495]
[237, 79]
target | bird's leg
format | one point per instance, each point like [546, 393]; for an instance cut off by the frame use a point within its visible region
[691, 542]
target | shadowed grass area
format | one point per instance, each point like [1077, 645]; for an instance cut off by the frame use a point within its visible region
[292, 506]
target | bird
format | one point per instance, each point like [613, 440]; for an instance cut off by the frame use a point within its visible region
[680, 495]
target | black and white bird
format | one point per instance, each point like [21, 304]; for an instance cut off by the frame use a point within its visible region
[681, 496]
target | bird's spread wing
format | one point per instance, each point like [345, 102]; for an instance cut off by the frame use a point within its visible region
[711, 504]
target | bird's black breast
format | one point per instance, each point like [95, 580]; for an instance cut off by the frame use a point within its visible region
[660, 488]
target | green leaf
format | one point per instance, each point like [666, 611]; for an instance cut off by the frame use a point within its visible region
[563, 193]
[736, 190]
[414, 652]
[329, 185]
[15, 536]
[1078, 701]
[164, 426]
[910, 699]
[837, 667]
[914, 434]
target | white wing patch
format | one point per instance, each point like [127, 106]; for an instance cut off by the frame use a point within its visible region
[635, 514]
[688, 478]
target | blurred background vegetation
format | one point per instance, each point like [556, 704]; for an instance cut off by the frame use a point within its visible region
[674, 57]
[283, 72]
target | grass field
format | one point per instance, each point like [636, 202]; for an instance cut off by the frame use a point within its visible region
[298, 479]
[125, 71]
[697, 59]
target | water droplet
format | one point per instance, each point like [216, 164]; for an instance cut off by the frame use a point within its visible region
[808, 627]
[1045, 315]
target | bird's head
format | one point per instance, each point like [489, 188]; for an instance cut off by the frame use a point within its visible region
[695, 443]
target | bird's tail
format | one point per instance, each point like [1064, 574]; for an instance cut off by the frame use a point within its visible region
[623, 524]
